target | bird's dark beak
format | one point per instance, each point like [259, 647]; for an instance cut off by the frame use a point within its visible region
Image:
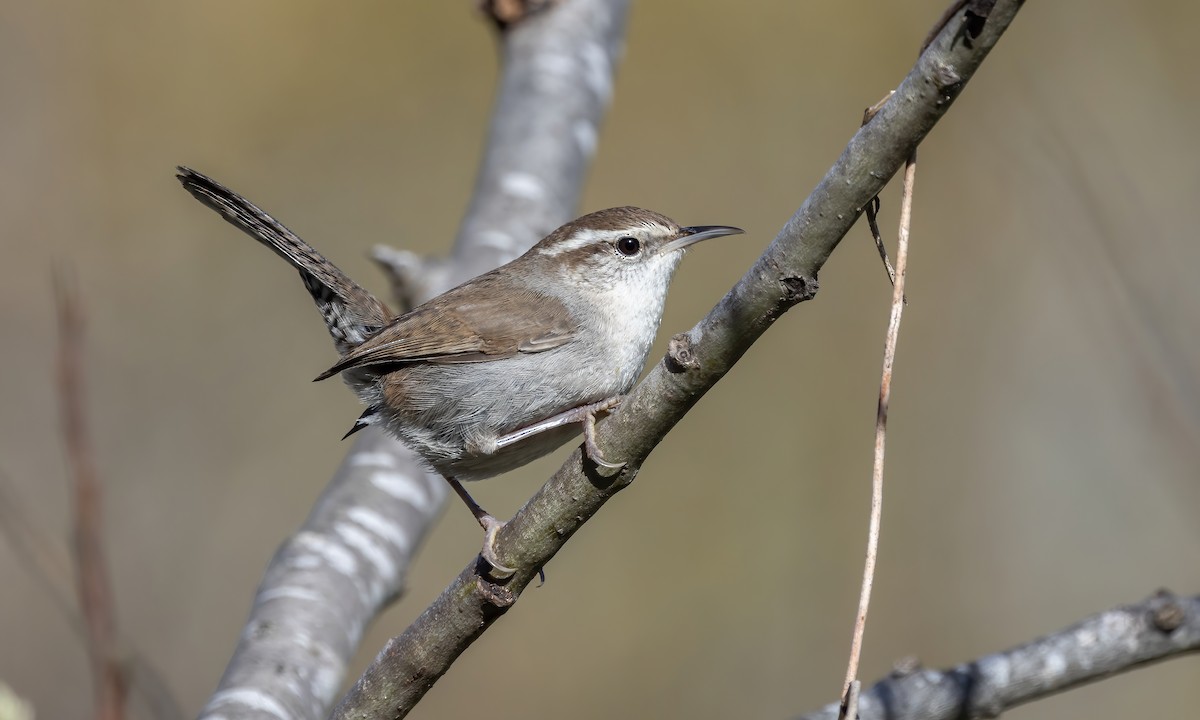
[696, 233]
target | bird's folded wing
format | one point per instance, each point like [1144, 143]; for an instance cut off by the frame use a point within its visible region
[465, 325]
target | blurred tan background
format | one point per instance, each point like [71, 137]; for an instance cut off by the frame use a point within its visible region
[1045, 445]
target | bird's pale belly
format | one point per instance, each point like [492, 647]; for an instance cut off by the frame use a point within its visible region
[453, 419]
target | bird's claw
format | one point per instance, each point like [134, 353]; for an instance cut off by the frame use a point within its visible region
[491, 526]
[590, 447]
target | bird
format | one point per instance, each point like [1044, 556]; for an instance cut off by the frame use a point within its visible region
[507, 366]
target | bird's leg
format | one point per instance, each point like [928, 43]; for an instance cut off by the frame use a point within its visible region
[490, 523]
[585, 414]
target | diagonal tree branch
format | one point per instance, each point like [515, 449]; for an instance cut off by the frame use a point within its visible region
[1159, 628]
[784, 275]
[349, 560]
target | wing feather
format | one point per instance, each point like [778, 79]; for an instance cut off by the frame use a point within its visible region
[456, 327]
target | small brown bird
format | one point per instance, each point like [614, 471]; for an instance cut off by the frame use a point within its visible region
[508, 366]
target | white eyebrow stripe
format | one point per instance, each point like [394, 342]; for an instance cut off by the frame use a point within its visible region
[580, 238]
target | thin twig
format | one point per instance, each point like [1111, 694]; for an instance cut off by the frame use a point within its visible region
[872, 208]
[885, 394]
[872, 213]
[110, 683]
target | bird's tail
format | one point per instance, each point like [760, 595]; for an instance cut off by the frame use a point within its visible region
[351, 313]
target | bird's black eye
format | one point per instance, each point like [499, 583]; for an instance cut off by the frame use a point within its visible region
[628, 246]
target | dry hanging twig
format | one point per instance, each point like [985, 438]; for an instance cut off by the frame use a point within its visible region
[850, 688]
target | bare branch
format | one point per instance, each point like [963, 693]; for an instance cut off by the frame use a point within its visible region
[109, 679]
[785, 274]
[1103, 645]
[349, 559]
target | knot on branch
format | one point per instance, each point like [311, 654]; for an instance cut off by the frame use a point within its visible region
[496, 599]
[976, 17]
[680, 355]
[1168, 613]
[905, 666]
[947, 80]
[798, 289]
[507, 12]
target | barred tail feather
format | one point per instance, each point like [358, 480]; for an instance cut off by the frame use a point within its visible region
[351, 313]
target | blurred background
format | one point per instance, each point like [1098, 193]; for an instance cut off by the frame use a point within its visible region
[1045, 427]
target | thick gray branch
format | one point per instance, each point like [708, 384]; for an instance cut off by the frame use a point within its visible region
[326, 582]
[1116, 641]
[785, 274]
[349, 559]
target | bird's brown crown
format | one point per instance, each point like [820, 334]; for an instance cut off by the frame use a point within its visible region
[607, 221]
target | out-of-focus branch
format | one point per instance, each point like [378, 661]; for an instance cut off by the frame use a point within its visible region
[44, 557]
[349, 560]
[784, 275]
[1160, 628]
[109, 679]
[46, 560]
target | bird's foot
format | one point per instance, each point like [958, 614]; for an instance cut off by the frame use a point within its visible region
[592, 451]
[589, 435]
[491, 526]
[585, 415]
